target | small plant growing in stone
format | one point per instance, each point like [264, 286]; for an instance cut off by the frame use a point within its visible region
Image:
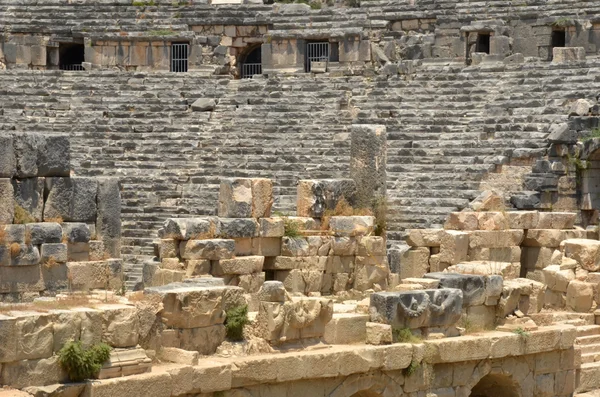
[563, 22]
[235, 320]
[50, 262]
[405, 335]
[28, 236]
[2, 235]
[81, 363]
[57, 219]
[15, 250]
[291, 228]
[22, 216]
[411, 369]
[521, 332]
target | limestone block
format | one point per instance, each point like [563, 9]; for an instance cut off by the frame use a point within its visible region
[522, 294]
[292, 320]
[197, 267]
[240, 265]
[96, 275]
[243, 246]
[339, 264]
[53, 252]
[188, 228]
[108, 217]
[203, 104]
[466, 348]
[8, 161]
[29, 195]
[555, 299]
[344, 246]
[472, 286]
[168, 248]
[72, 199]
[125, 362]
[368, 155]
[266, 246]
[34, 336]
[300, 281]
[171, 264]
[204, 340]
[152, 384]
[294, 246]
[340, 282]
[414, 262]
[189, 306]
[214, 249]
[492, 221]
[21, 374]
[416, 309]
[424, 237]
[78, 252]
[178, 356]
[557, 279]
[42, 233]
[482, 316]
[27, 255]
[352, 225]
[580, 296]
[272, 291]
[16, 279]
[237, 228]
[27, 147]
[8, 332]
[544, 238]
[271, 227]
[319, 245]
[7, 204]
[370, 271]
[424, 283]
[304, 223]
[454, 247]
[76, 232]
[536, 257]
[378, 334]
[585, 252]
[15, 233]
[251, 283]
[522, 219]
[556, 220]
[54, 156]
[488, 200]
[245, 198]
[371, 246]
[347, 328]
[495, 238]
[507, 270]
[120, 325]
[314, 197]
[315, 263]
[506, 254]
[567, 54]
[462, 221]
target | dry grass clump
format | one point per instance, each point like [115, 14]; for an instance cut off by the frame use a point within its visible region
[2, 235]
[22, 216]
[50, 263]
[58, 219]
[343, 208]
[15, 250]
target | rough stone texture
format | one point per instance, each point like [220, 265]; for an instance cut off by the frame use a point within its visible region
[188, 228]
[585, 252]
[272, 291]
[86, 276]
[7, 207]
[41, 233]
[108, 217]
[378, 334]
[351, 225]
[27, 148]
[262, 198]
[368, 160]
[454, 247]
[214, 249]
[568, 54]
[271, 227]
[56, 252]
[314, 197]
[76, 232]
[240, 265]
[54, 157]
[424, 237]
[29, 195]
[8, 161]
[472, 286]
[72, 199]
[580, 296]
[237, 228]
[235, 198]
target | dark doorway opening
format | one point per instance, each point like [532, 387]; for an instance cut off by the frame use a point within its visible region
[559, 38]
[71, 56]
[483, 43]
[252, 63]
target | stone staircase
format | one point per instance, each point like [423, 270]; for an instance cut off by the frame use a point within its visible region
[588, 343]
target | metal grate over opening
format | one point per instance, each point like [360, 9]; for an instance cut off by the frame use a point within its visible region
[250, 69]
[179, 57]
[316, 52]
[76, 66]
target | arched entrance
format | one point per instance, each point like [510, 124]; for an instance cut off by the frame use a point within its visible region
[496, 385]
[251, 63]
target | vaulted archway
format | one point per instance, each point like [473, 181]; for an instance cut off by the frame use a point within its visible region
[496, 385]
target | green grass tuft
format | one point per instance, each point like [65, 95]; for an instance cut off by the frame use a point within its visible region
[236, 319]
[405, 335]
[81, 363]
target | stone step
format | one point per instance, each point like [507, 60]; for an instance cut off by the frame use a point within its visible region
[590, 357]
[587, 330]
[588, 339]
[589, 377]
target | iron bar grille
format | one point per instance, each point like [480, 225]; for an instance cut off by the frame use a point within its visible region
[316, 52]
[250, 69]
[76, 66]
[179, 57]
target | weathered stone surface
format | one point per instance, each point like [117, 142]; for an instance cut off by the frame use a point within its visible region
[507, 270]
[314, 197]
[294, 246]
[42, 233]
[96, 275]
[237, 228]
[472, 286]
[416, 309]
[188, 228]
[16, 279]
[27, 255]
[557, 279]
[71, 199]
[495, 238]
[492, 221]
[7, 206]
[585, 252]
[235, 198]
[454, 247]
[371, 246]
[462, 221]
[580, 296]
[214, 249]
[27, 147]
[522, 219]
[343, 246]
[568, 54]
[76, 232]
[266, 246]
[203, 104]
[424, 237]
[351, 225]
[521, 294]
[186, 305]
[197, 267]
[120, 325]
[370, 272]
[488, 200]
[272, 291]
[204, 340]
[56, 252]
[289, 263]
[239, 265]
[347, 328]
[108, 218]
[368, 158]
[29, 195]
[262, 198]
[54, 156]
[8, 161]
[544, 238]
[271, 227]
[414, 263]
[556, 220]
[21, 374]
[378, 334]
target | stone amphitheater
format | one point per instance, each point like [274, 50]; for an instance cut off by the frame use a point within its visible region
[335, 198]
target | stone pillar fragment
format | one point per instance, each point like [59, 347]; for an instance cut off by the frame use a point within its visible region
[368, 158]
[108, 216]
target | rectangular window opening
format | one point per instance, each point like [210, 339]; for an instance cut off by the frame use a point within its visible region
[71, 56]
[559, 38]
[179, 57]
[317, 51]
[483, 43]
